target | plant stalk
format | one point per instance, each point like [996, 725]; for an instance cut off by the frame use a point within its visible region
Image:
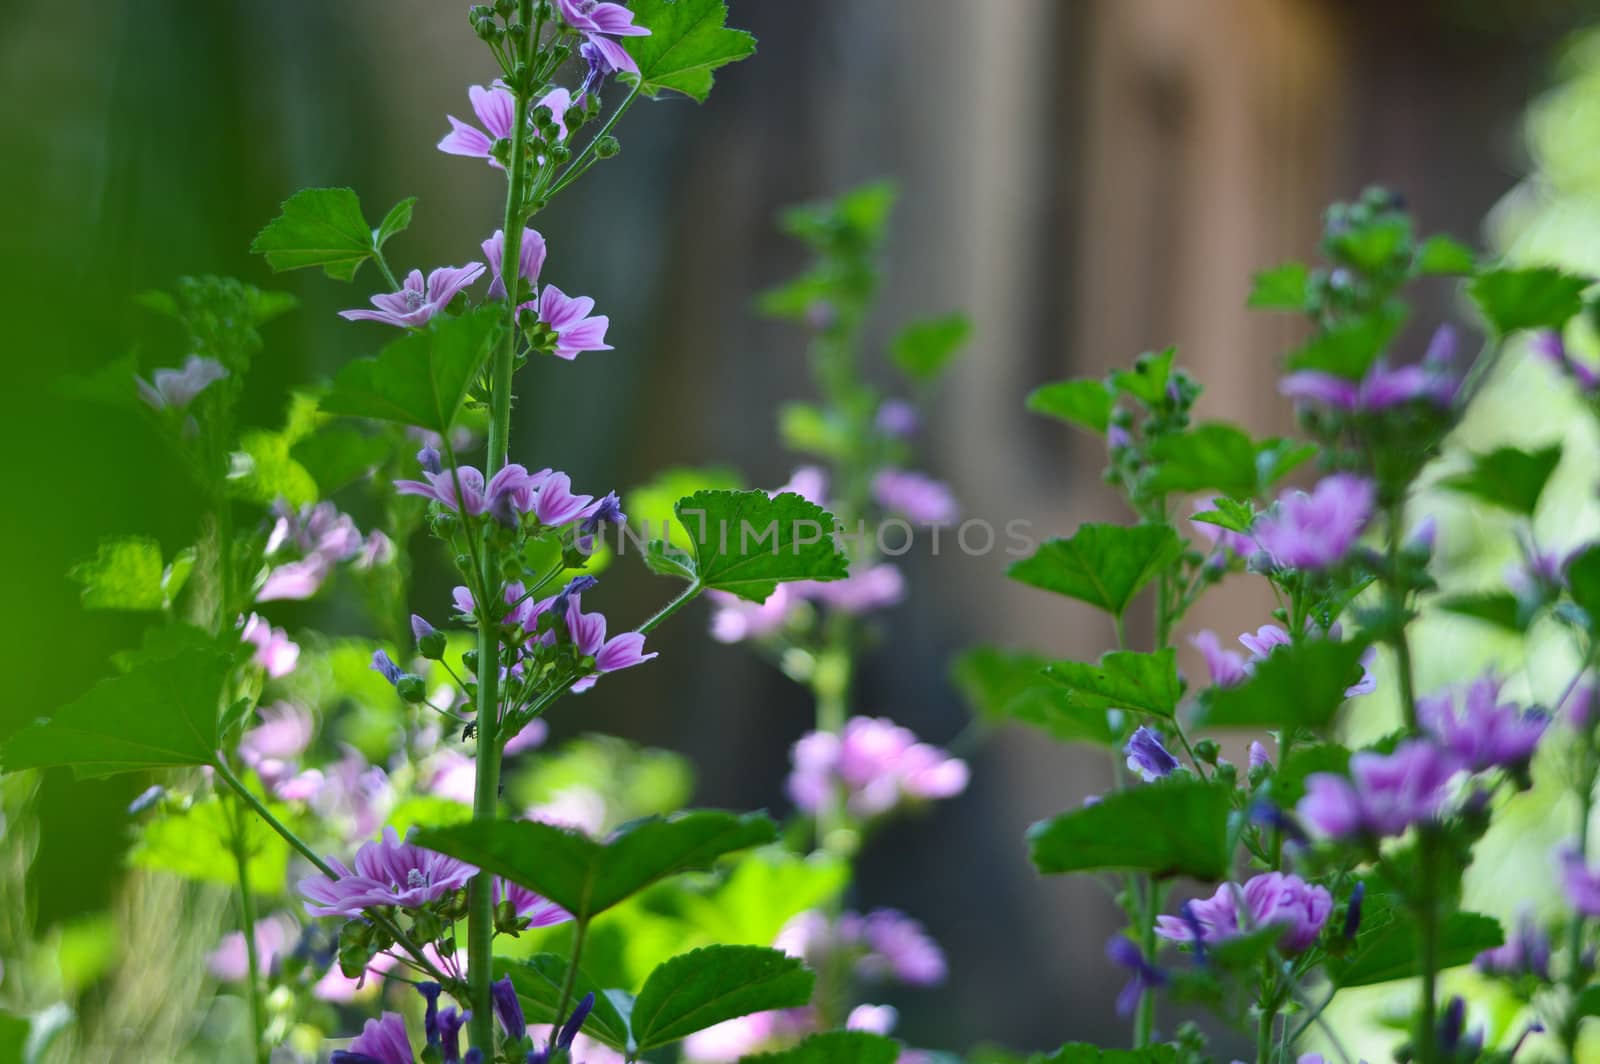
[247, 924]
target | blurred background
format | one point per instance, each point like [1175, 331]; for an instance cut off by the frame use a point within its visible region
[1086, 178]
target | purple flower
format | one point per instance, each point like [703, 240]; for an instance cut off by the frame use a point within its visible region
[598, 23]
[1316, 530]
[508, 1010]
[1226, 666]
[275, 936]
[295, 581]
[1432, 381]
[1147, 756]
[530, 259]
[897, 418]
[428, 458]
[1385, 794]
[878, 763]
[1223, 541]
[915, 496]
[1487, 733]
[1258, 757]
[418, 301]
[512, 487]
[382, 1041]
[899, 947]
[1352, 911]
[1272, 899]
[606, 511]
[599, 65]
[538, 910]
[808, 482]
[735, 619]
[1121, 950]
[556, 505]
[1580, 883]
[387, 872]
[385, 666]
[1550, 346]
[274, 652]
[496, 108]
[1525, 952]
[567, 317]
[174, 389]
[861, 592]
[588, 633]
[271, 747]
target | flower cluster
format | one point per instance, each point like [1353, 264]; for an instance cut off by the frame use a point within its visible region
[1272, 899]
[873, 766]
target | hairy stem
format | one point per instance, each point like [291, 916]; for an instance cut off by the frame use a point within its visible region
[486, 793]
[247, 924]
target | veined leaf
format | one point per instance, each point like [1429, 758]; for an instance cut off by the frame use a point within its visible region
[1176, 827]
[688, 40]
[695, 990]
[1124, 679]
[1103, 565]
[747, 542]
[420, 379]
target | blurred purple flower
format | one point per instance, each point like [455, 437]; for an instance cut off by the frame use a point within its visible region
[1316, 530]
[863, 591]
[1525, 952]
[1122, 950]
[1258, 757]
[1228, 668]
[1487, 733]
[1147, 756]
[418, 301]
[174, 389]
[382, 1041]
[1223, 541]
[915, 496]
[734, 619]
[387, 872]
[1433, 380]
[808, 482]
[1271, 899]
[530, 259]
[598, 23]
[271, 748]
[1580, 883]
[897, 418]
[1553, 349]
[275, 937]
[900, 948]
[274, 652]
[877, 763]
[1385, 793]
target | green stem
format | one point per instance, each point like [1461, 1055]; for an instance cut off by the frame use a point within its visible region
[1575, 972]
[579, 933]
[685, 597]
[1144, 1016]
[575, 168]
[299, 846]
[247, 923]
[1264, 1035]
[486, 793]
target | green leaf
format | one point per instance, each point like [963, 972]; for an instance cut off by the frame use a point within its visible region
[422, 378]
[762, 892]
[128, 574]
[835, 1047]
[339, 456]
[196, 844]
[1539, 297]
[1011, 684]
[161, 714]
[1372, 246]
[924, 348]
[1350, 348]
[1588, 1002]
[1103, 565]
[747, 542]
[538, 981]
[652, 507]
[398, 220]
[1296, 686]
[707, 986]
[1211, 457]
[585, 876]
[1087, 1053]
[1085, 402]
[264, 471]
[325, 227]
[688, 40]
[1507, 477]
[1440, 256]
[1124, 679]
[1583, 581]
[809, 429]
[1147, 381]
[1280, 288]
[1499, 608]
[1177, 827]
[1386, 946]
[1231, 514]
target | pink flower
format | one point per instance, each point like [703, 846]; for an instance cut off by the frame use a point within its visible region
[1316, 530]
[567, 317]
[174, 389]
[861, 592]
[1270, 899]
[387, 872]
[275, 936]
[530, 259]
[271, 747]
[1580, 883]
[496, 108]
[735, 619]
[808, 482]
[1385, 793]
[610, 655]
[274, 652]
[598, 23]
[877, 763]
[383, 1041]
[418, 301]
[915, 496]
[339, 988]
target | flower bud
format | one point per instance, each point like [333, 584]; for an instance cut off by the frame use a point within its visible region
[607, 147]
[430, 641]
[412, 688]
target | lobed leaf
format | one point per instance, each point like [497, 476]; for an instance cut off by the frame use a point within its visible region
[421, 379]
[1538, 297]
[695, 990]
[747, 542]
[1103, 565]
[325, 227]
[1283, 287]
[1507, 477]
[1350, 348]
[1295, 686]
[1177, 827]
[128, 574]
[1386, 946]
[1124, 679]
[924, 348]
[538, 981]
[585, 876]
[1011, 684]
[1086, 402]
